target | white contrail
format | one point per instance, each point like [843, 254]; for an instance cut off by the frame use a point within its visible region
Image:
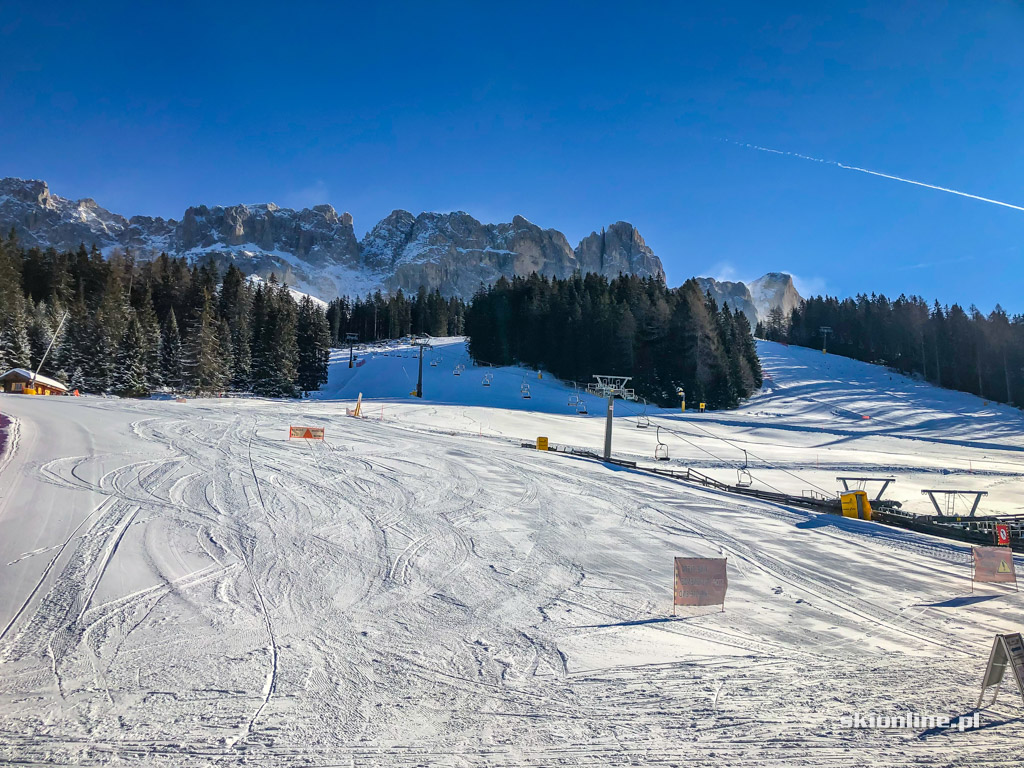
[879, 173]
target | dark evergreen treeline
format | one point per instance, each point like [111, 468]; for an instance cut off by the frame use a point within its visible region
[664, 338]
[948, 346]
[133, 328]
[392, 317]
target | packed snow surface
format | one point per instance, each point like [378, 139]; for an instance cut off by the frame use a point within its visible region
[184, 586]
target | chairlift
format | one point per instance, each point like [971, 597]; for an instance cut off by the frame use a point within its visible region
[642, 421]
[487, 380]
[743, 478]
[433, 363]
[581, 408]
[660, 450]
[525, 391]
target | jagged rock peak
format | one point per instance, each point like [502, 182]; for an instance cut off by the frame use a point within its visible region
[316, 249]
[757, 298]
[619, 248]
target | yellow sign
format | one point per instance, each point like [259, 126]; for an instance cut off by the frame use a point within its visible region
[306, 433]
[542, 443]
[702, 407]
[1004, 567]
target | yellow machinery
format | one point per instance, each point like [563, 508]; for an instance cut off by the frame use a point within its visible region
[856, 504]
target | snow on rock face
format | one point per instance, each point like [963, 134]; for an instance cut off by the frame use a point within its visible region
[316, 250]
[755, 299]
[773, 290]
[456, 253]
[41, 219]
[736, 295]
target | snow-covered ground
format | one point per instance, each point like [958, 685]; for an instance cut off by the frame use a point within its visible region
[182, 585]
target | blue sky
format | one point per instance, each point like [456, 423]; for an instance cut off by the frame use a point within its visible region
[574, 115]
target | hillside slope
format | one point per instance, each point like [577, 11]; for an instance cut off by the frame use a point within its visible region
[184, 586]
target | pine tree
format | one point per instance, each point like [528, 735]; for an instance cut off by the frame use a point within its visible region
[275, 350]
[130, 376]
[313, 339]
[151, 339]
[171, 354]
[15, 347]
[205, 365]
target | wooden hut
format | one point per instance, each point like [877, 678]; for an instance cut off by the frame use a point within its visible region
[22, 382]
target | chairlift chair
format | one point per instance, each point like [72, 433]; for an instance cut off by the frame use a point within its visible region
[743, 478]
[660, 450]
[581, 408]
[642, 421]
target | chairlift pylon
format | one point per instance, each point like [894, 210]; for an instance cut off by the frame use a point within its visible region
[660, 450]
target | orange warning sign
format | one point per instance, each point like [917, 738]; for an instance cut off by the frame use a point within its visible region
[307, 433]
[1002, 534]
[700, 581]
[994, 565]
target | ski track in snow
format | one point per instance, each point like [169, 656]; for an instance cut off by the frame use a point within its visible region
[184, 586]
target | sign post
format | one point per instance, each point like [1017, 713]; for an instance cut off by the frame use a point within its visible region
[699, 581]
[1007, 651]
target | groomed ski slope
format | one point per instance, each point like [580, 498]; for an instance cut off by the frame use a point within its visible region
[182, 585]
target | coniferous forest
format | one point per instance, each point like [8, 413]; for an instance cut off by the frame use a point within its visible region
[947, 346]
[394, 316]
[665, 338]
[136, 327]
[133, 328]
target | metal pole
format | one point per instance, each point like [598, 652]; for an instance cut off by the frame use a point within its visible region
[49, 347]
[608, 427]
[350, 345]
[419, 378]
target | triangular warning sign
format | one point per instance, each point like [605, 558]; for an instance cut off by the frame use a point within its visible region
[1004, 567]
[308, 435]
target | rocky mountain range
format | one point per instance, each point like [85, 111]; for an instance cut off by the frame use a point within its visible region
[316, 249]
